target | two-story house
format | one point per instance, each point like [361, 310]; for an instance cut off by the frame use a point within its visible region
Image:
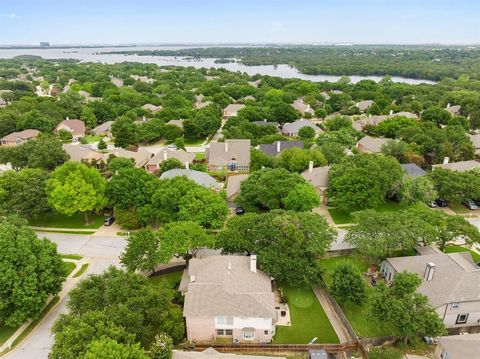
[231, 155]
[227, 297]
[450, 281]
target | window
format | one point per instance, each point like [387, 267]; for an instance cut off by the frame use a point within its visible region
[228, 332]
[265, 332]
[461, 319]
[455, 305]
[220, 332]
[248, 335]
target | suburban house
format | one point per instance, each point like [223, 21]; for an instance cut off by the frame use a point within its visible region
[75, 127]
[211, 353]
[165, 154]
[232, 110]
[199, 102]
[199, 177]
[476, 143]
[413, 170]
[152, 108]
[17, 138]
[81, 153]
[274, 149]
[233, 186]
[291, 128]
[255, 83]
[303, 107]
[104, 129]
[404, 114]
[461, 166]
[227, 297]
[231, 155]
[364, 105]
[371, 144]
[140, 157]
[267, 123]
[454, 110]
[116, 81]
[317, 177]
[178, 123]
[144, 79]
[325, 95]
[450, 281]
[458, 346]
[360, 124]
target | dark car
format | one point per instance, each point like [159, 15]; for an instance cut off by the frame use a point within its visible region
[477, 202]
[239, 211]
[432, 204]
[470, 205]
[441, 202]
[108, 221]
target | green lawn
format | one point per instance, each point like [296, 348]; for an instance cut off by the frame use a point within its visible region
[69, 267]
[358, 316]
[194, 141]
[82, 270]
[92, 138]
[341, 217]
[5, 333]
[458, 208]
[71, 256]
[455, 249]
[61, 221]
[308, 319]
[200, 156]
[171, 279]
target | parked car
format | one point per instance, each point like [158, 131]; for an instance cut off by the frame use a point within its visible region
[432, 204]
[239, 211]
[477, 202]
[470, 204]
[108, 221]
[172, 147]
[441, 202]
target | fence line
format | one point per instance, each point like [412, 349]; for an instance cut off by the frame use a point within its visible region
[235, 348]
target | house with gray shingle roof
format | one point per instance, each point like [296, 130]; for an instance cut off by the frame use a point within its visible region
[199, 177]
[233, 186]
[274, 149]
[184, 157]
[303, 107]
[291, 129]
[317, 177]
[454, 110]
[458, 346]
[228, 297]
[476, 143]
[413, 170]
[104, 129]
[231, 155]
[461, 166]
[364, 105]
[371, 144]
[232, 110]
[450, 281]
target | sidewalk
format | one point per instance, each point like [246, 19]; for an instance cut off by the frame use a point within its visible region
[342, 332]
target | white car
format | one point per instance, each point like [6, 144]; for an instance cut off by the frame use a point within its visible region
[172, 147]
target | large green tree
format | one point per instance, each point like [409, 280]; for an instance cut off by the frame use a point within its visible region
[31, 270]
[110, 348]
[348, 285]
[75, 187]
[142, 251]
[300, 237]
[363, 181]
[403, 311]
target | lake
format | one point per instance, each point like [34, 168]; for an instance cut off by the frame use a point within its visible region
[93, 54]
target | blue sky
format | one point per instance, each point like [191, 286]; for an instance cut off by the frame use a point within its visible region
[234, 21]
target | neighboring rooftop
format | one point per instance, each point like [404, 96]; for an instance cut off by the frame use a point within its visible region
[79, 153]
[466, 346]
[103, 128]
[178, 123]
[77, 127]
[151, 108]
[365, 104]
[274, 149]
[372, 144]
[200, 178]
[220, 153]
[317, 176]
[413, 170]
[167, 153]
[233, 185]
[232, 109]
[461, 166]
[22, 135]
[302, 107]
[141, 157]
[292, 128]
[455, 277]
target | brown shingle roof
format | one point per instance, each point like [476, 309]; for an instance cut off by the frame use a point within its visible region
[23, 135]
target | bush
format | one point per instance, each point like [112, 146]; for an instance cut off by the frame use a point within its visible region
[127, 218]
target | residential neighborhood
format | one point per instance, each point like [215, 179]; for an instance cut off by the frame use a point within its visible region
[241, 196]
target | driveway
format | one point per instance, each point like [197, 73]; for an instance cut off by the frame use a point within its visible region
[102, 251]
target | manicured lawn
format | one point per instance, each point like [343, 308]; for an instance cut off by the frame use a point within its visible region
[459, 208]
[69, 267]
[456, 249]
[358, 316]
[92, 138]
[172, 280]
[71, 256]
[61, 221]
[194, 141]
[82, 270]
[200, 156]
[308, 319]
[341, 217]
[5, 333]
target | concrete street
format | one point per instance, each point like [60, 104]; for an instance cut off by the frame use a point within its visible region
[101, 251]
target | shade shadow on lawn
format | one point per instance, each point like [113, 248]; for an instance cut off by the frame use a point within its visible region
[308, 319]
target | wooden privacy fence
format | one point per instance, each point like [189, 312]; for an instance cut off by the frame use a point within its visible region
[277, 348]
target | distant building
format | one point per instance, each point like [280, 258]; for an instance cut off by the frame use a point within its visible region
[274, 149]
[454, 110]
[413, 170]
[104, 129]
[317, 177]
[232, 110]
[233, 186]
[75, 127]
[17, 138]
[44, 44]
[461, 166]
[364, 105]
[199, 177]
[291, 129]
[303, 107]
[184, 157]
[371, 144]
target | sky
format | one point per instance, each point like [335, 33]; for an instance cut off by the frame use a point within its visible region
[24, 22]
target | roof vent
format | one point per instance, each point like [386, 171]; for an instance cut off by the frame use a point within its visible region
[429, 271]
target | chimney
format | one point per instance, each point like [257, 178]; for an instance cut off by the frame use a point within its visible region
[429, 271]
[370, 115]
[187, 165]
[67, 118]
[253, 263]
[391, 112]
[448, 105]
[144, 119]
[192, 278]
[310, 166]
[446, 160]
[264, 120]
[165, 155]
[226, 146]
[278, 146]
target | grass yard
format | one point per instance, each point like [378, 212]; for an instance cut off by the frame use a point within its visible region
[453, 248]
[71, 256]
[358, 316]
[69, 267]
[341, 217]
[5, 333]
[82, 270]
[200, 156]
[308, 319]
[194, 141]
[459, 208]
[92, 138]
[171, 279]
[61, 221]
